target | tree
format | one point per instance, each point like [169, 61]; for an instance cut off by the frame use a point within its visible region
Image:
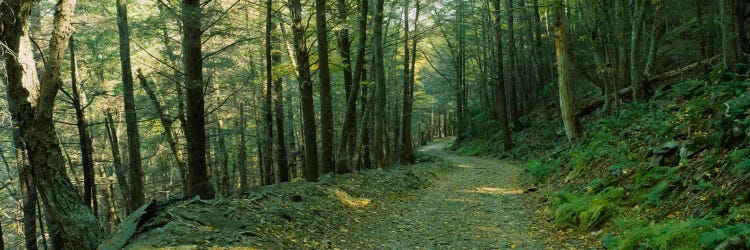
[501, 101]
[278, 99]
[267, 161]
[407, 151]
[84, 136]
[78, 225]
[166, 123]
[729, 41]
[567, 108]
[131, 120]
[380, 97]
[513, 77]
[324, 76]
[302, 55]
[636, 73]
[347, 146]
[199, 181]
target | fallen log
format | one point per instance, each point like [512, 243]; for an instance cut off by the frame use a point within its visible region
[652, 84]
[127, 228]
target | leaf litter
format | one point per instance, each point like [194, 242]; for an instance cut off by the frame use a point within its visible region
[445, 202]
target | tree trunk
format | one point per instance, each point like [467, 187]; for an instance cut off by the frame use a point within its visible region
[79, 227]
[348, 142]
[514, 112]
[407, 150]
[344, 48]
[635, 49]
[25, 175]
[567, 107]
[166, 123]
[199, 181]
[502, 107]
[278, 99]
[306, 92]
[131, 121]
[730, 50]
[84, 137]
[119, 170]
[242, 153]
[222, 155]
[324, 76]
[267, 161]
[380, 97]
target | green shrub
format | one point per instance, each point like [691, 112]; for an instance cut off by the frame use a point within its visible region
[586, 212]
[663, 236]
[540, 169]
[715, 236]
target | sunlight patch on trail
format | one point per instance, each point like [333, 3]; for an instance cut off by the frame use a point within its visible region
[497, 191]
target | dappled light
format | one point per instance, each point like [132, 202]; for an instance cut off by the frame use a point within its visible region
[497, 191]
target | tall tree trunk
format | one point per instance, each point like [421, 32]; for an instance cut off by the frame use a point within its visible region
[344, 47]
[242, 152]
[25, 175]
[84, 136]
[267, 161]
[380, 97]
[114, 146]
[623, 78]
[79, 227]
[222, 155]
[535, 57]
[567, 107]
[199, 181]
[131, 120]
[461, 109]
[278, 99]
[514, 112]
[324, 76]
[636, 33]
[347, 145]
[407, 150]
[302, 54]
[730, 50]
[502, 104]
[166, 123]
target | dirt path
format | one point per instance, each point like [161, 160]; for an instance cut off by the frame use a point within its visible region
[479, 205]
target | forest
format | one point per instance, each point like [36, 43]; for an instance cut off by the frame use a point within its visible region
[373, 124]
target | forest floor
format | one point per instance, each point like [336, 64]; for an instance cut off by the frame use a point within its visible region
[446, 202]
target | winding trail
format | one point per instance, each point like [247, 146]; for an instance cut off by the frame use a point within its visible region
[479, 205]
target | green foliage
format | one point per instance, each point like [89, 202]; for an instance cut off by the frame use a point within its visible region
[541, 169]
[741, 160]
[715, 236]
[664, 236]
[588, 211]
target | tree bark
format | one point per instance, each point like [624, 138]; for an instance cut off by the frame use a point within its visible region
[324, 76]
[502, 104]
[25, 175]
[730, 49]
[267, 161]
[514, 112]
[347, 145]
[166, 123]
[131, 120]
[78, 225]
[567, 107]
[117, 161]
[407, 147]
[242, 152]
[306, 92]
[222, 155]
[84, 136]
[278, 99]
[344, 48]
[380, 97]
[199, 181]
[635, 49]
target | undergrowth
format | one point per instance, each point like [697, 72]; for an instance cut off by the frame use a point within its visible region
[671, 173]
